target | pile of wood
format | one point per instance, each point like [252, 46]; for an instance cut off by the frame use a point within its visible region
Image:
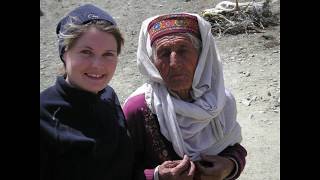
[236, 18]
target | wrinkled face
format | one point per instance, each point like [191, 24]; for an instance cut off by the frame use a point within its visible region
[92, 60]
[176, 59]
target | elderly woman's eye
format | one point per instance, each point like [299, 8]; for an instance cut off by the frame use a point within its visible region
[164, 53]
[182, 49]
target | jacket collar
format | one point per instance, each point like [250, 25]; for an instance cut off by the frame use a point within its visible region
[75, 94]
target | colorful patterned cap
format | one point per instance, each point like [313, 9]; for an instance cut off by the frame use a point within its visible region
[173, 23]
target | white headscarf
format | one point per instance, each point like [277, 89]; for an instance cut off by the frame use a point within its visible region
[206, 126]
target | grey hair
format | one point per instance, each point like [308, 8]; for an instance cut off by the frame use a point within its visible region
[196, 42]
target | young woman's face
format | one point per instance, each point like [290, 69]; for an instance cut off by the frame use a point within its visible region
[176, 59]
[92, 60]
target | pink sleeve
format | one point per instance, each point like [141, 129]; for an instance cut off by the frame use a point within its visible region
[238, 153]
[149, 174]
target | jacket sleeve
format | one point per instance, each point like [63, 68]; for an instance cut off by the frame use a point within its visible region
[132, 110]
[236, 153]
[149, 174]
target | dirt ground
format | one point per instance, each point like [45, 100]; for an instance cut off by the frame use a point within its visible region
[251, 69]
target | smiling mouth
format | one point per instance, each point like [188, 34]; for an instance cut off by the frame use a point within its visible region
[95, 76]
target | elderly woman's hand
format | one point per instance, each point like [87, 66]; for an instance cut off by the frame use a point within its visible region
[213, 167]
[177, 170]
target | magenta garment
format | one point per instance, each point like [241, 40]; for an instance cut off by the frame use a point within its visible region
[151, 148]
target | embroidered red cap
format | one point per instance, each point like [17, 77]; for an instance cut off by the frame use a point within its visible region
[173, 23]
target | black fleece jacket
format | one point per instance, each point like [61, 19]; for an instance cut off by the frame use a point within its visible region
[83, 135]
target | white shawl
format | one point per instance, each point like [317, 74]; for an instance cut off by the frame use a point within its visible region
[206, 126]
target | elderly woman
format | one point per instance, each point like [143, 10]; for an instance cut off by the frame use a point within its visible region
[83, 133]
[183, 111]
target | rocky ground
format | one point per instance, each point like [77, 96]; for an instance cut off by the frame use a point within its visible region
[251, 68]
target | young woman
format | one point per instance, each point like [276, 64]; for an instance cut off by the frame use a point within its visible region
[83, 132]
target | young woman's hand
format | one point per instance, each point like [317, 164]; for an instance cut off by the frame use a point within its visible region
[213, 167]
[177, 170]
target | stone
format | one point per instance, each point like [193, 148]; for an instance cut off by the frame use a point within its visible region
[254, 98]
[271, 44]
[269, 93]
[133, 32]
[268, 37]
[246, 102]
